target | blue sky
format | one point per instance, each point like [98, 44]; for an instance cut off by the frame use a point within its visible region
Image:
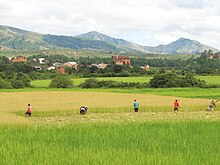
[144, 21]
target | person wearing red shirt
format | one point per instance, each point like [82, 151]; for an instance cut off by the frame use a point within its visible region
[29, 110]
[176, 106]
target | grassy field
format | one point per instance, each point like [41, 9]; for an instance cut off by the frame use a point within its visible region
[77, 81]
[111, 133]
[210, 80]
[161, 143]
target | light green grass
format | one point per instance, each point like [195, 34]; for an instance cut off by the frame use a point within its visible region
[208, 93]
[210, 80]
[77, 81]
[161, 143]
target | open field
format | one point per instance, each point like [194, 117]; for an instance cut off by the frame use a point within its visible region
[210, 80]
[67, 103]
[187, 142]
[208, 93]
[111, 133]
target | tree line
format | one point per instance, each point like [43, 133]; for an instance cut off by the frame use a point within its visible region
[19, 74]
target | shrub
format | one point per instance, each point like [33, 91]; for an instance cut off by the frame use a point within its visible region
[4, 84]
[89, 83]
[17, 84]
[93, 83]
[172, 80]
[24, 78]
[61, 81]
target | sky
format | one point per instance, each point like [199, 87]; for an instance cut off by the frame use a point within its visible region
[144, 22]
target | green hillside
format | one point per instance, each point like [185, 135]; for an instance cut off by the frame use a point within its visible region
[17, 39]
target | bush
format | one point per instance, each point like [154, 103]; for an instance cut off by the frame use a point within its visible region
[17, 84]
[61, 81]
[93, 83]
[90, 83]
[4, 84]
[172, 80]
[24, 78]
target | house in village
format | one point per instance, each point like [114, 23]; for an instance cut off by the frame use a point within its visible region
[38, 68]
[121, 60]
[42, 60]
[100, 66]
[61, 67]
[51, 68]
[19, 59]
[61, 70]
[145, 67]
[70, 65]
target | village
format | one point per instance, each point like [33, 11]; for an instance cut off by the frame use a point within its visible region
[41, 63]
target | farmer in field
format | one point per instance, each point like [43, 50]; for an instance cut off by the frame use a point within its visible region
[136, 106]
[83, 110]
[176, 106]
[29, 110]
[212, 105]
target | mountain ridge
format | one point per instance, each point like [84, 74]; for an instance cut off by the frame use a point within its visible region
[15, 38]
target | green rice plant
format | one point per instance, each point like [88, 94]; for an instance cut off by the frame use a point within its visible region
[185, 142]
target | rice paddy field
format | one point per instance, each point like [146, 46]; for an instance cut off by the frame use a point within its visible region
[110, 133]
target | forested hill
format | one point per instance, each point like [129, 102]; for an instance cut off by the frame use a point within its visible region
[18, 39]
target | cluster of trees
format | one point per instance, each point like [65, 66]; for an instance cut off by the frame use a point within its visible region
[19, 75]
[94, 83]
[172, 80]
[14, 75]
[61, 81]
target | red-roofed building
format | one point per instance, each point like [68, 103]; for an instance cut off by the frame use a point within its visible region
[121, 60]
[19, 59]
[61, 70]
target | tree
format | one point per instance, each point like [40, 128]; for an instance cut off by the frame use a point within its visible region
[173, 80]
[90, 83]
[17, 84]
[4, 84]
[117, 68]
[61, 81]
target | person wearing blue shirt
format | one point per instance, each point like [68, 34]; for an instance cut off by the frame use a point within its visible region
[136, 106]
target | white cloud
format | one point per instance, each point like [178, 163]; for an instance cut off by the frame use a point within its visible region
[145, 22]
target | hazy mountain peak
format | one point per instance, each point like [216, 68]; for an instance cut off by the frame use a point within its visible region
[94, 35]
[182, 46]
[13, 29]
[186, 40]
[15, 38]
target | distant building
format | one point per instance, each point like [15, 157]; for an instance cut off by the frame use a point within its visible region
[121, 60]
[145, 67]
[70, 65]
[100, 66]
[19, 59]
[51, 68]
[42, 60]
[57, 64]
[38, 68]
[61, 70]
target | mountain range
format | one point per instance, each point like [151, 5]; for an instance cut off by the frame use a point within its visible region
[18, 39]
